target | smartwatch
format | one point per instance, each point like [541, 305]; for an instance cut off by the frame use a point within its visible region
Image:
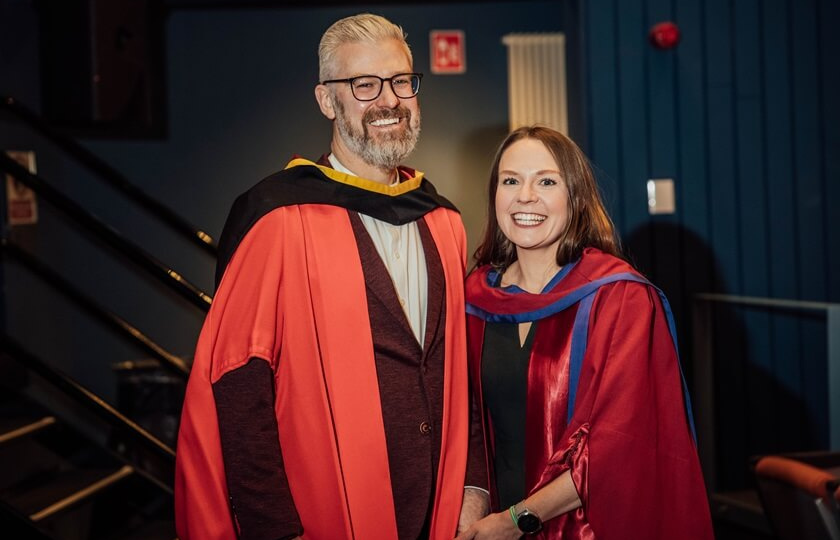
[527, 521]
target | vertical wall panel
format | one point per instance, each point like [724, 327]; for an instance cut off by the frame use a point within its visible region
[808, 156]
[631, 91]
[721, 142]
[829, 19]
[662, 158]
[661, 125]
[750, 179]
[730, 351]
[760, 389]
[781, 223]
[693, 203]
[809, 199]
[603, 114]
[691, 135]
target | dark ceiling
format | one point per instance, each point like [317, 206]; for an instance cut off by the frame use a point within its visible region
[247, 4]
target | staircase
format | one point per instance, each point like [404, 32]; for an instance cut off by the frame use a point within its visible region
[73, 487]
[72, 465]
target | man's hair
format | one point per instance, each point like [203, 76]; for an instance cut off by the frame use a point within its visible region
[362, 28]
[589, 224]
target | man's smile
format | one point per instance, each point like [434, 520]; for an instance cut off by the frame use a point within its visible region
[385, 122]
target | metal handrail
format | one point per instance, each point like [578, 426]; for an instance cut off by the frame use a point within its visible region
[82, 494]
[703, 370]
[87, 398]
[108, 234]
[757, 301]
[27, 429]
[168, 360]
[110, 175]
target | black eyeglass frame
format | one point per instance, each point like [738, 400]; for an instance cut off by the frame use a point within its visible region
[381, 84]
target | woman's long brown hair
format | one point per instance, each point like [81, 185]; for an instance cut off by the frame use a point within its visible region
[589, 224]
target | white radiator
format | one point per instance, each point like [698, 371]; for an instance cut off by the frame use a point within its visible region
[537, 80]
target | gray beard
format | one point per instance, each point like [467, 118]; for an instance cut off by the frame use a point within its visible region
[387, 154]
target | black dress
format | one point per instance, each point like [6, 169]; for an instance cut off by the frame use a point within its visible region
[504, 383]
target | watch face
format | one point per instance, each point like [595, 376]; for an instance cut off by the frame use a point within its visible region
[529, 523]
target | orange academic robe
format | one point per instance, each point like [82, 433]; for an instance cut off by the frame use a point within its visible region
[293, 294]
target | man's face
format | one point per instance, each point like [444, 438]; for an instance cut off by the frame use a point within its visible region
[384, 131]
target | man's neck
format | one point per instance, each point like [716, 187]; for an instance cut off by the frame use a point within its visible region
[360, 168]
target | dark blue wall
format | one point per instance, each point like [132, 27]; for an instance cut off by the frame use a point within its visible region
[744, 115]
[241, 94]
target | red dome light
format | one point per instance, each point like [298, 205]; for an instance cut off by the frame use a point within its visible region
[665, 35]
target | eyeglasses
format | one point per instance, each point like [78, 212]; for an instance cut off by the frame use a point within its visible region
[368, 87]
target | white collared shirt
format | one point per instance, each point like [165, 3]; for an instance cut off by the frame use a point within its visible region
[401, 250]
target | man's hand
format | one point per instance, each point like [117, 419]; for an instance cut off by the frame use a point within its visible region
[476, 505]
[494, 527]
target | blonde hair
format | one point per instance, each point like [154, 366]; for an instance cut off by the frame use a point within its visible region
[364, 28]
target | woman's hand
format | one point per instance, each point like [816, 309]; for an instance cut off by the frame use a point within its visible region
[494, 527]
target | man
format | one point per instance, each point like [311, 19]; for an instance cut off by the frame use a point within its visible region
[328, 397]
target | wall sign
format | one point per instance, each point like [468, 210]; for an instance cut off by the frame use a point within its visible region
[448, 51]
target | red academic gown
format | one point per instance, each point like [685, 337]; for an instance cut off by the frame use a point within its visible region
[628, 441]
[293, 294]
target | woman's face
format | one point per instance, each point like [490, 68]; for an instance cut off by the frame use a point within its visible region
[532, 201]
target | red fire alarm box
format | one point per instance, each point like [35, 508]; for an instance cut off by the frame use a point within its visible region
[448, 51]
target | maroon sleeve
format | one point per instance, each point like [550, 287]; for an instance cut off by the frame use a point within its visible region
[260, 499]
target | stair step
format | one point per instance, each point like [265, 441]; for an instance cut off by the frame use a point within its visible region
[65, 490]
[68, 478]
[22, 431]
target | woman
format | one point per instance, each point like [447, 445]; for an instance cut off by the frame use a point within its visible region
[587, 422]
